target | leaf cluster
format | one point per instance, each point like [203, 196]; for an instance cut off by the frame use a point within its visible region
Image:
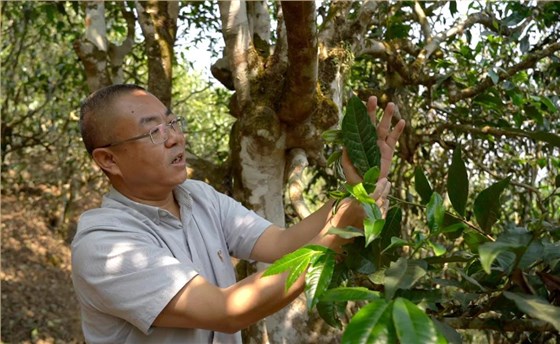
[413, 288]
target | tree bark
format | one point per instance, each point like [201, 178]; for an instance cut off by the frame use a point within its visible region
[158, 20]
[102, 59]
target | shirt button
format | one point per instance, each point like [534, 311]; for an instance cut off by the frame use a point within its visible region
[162, 213]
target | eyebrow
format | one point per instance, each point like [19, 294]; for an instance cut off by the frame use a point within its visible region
[154, 118]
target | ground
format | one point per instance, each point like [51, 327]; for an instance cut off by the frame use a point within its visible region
[38, 302]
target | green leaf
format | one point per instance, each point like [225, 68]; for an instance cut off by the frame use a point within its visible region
[332, 135]
[346, 233]
[372, 324]
[289, 261]
[372, 229]
[487, 204]
[551, 138]
[435, 212]
[396, 242]
[359, 258]
[372, 175]
[318, 278]
[438, 248]
[335, 156]
[494, 76]
[391, 229]
[412, 325]
[402, 274]
[342, 294]
[548, 103]
[422, 185]
[360, 137]
[474, 240]
[557, 181]
[454, 227]
[360, 193]
[451, 335]
[329, 311]
[536, 308]
[452, 7]
[489, 252]
[372, 211]
[458, 182]
[295, 262]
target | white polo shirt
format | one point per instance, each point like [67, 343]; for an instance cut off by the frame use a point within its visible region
[130, 259]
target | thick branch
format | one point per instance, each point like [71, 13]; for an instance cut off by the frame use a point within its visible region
[158, 20]
[259, 23]
[237, 38]
[517, 325]
[333, 24]
[96, 33]
[117, 53]
[301, 29]
[421, 17]
[92, 49]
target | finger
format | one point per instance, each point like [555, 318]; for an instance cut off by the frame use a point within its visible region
[372, 109]
[385, 208]
[386, 190]
[394, 135]
[383, 201]
[350, 173]
[384, 167]
[379, 188]
[385, 124]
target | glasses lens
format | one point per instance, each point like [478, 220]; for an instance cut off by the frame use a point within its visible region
[159, 134]
[178, 125]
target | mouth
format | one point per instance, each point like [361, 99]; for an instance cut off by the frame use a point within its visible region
[178, 159]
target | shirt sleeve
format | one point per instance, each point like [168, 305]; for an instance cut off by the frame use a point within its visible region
[126, 274]
[241, 227]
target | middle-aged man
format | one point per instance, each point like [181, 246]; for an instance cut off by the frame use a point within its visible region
[152, 264]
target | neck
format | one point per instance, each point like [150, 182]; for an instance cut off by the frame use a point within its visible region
[164, 201]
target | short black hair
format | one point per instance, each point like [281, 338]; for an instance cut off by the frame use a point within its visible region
[95, 110]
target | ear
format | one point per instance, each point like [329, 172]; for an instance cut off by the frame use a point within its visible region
[105, 159]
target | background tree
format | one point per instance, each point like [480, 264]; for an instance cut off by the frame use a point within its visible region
[484, 79]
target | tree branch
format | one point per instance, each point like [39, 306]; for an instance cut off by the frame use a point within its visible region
[529, 62]
[237, 39]
[302, 76]
[158, 21]
[421, 16]
[516, 325]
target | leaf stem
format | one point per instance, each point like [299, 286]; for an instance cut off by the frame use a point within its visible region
[470, 225]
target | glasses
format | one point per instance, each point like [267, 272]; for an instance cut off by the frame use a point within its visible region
[159, 134]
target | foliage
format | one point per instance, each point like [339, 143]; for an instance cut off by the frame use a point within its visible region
[415, 294]
[359, 135]
[203, 106]
[482, 106]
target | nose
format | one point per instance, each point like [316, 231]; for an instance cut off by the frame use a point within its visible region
[174, 137]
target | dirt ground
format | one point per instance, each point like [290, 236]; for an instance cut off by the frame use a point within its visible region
[38, 302]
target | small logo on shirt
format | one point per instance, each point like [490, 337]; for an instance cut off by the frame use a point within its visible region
[221, 255]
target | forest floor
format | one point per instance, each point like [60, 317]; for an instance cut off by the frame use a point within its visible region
[38, 302]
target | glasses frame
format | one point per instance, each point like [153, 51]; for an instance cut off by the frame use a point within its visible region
[164, 126]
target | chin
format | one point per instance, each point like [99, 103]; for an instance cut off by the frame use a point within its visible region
[182, 178]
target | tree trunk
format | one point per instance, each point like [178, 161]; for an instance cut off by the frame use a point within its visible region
[279, 107]
[102, 59]
[158, 20]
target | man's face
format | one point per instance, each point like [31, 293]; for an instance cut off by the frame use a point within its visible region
[146, 170]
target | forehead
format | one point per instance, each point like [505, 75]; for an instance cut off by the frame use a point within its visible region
[140, 106]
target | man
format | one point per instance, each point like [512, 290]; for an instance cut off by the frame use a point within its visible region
[152, 265]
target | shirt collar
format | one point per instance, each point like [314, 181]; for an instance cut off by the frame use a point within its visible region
[180, 192]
